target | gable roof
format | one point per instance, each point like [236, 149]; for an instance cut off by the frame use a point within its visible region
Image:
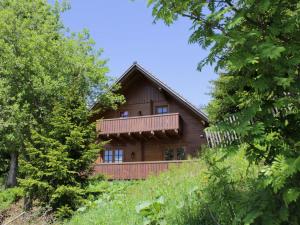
[135, 66]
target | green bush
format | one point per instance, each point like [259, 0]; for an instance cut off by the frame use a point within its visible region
[151, 211]
[67, 196]
[64, 212]
[2, 181]
[9, 196]
[97, 178]
[95, 189]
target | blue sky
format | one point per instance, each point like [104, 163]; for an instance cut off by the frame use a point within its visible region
[125, 30]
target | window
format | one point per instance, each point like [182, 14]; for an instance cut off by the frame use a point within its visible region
[108, 156]
[118, 156]
[169, 154]
[111, 156]
[172, 154]
[180, 153]
[162, 109]
[124, 114]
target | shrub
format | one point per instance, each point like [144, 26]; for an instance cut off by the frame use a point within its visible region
[96, 178]
[67, 197]
[151, 211]
[9, 196]
[64, 212]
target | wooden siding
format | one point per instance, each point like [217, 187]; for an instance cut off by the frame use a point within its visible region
[134, 170]
[137, 124]
[142, 97]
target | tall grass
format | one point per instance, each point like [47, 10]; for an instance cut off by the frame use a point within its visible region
[180, 196]
[9, 196]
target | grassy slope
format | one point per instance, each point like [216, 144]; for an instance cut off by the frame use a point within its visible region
[121, 209]
[7, 198]
[188, 194]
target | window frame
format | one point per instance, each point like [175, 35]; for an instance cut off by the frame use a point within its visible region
[117, 154]
[124, 114]
[108, 156]
[176, 153]
[184, 153]
[162, 107]
[171, 152]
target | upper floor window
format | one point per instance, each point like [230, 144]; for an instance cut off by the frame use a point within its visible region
[124, 114]
[162, 109]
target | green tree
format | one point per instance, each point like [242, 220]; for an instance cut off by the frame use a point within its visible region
[30, 79]
[39, 61]
[255, 47]
[59, 159]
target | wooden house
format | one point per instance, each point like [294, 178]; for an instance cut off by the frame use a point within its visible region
[154, 129]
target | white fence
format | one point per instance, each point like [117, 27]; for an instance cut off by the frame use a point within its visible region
[216, 137]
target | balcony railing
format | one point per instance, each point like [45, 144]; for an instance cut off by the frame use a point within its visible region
[140, 124]
[134, 170]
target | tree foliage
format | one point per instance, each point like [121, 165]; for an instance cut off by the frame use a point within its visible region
[59, 159]
[48, 80]
[255, 47]
[28, 40]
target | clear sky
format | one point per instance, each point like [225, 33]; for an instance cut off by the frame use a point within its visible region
[125, 30]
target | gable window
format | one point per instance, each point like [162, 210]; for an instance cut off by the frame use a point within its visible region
[119, 156]
[162, 109]
[108, 156]
[124, 114]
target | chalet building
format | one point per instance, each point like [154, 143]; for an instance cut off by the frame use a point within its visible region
[154, 129]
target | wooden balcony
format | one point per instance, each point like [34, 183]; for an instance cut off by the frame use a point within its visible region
[134, 170]
[161, 125]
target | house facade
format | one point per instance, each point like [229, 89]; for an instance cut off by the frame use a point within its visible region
[156, 127]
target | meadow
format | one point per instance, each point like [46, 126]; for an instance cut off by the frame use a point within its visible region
[193, 194]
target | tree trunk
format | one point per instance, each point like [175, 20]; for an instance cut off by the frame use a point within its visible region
[11, 180]
[27, 202]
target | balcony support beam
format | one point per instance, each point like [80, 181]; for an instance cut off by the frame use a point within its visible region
[162, 134]
[118, 138]
[143, 136]
[154, 136]
[121, 138]
[173, 133]
[131, 137]
[138, 136]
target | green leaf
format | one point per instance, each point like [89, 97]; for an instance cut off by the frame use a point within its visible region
[291, 195]
[271, 51]
[250, 217]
